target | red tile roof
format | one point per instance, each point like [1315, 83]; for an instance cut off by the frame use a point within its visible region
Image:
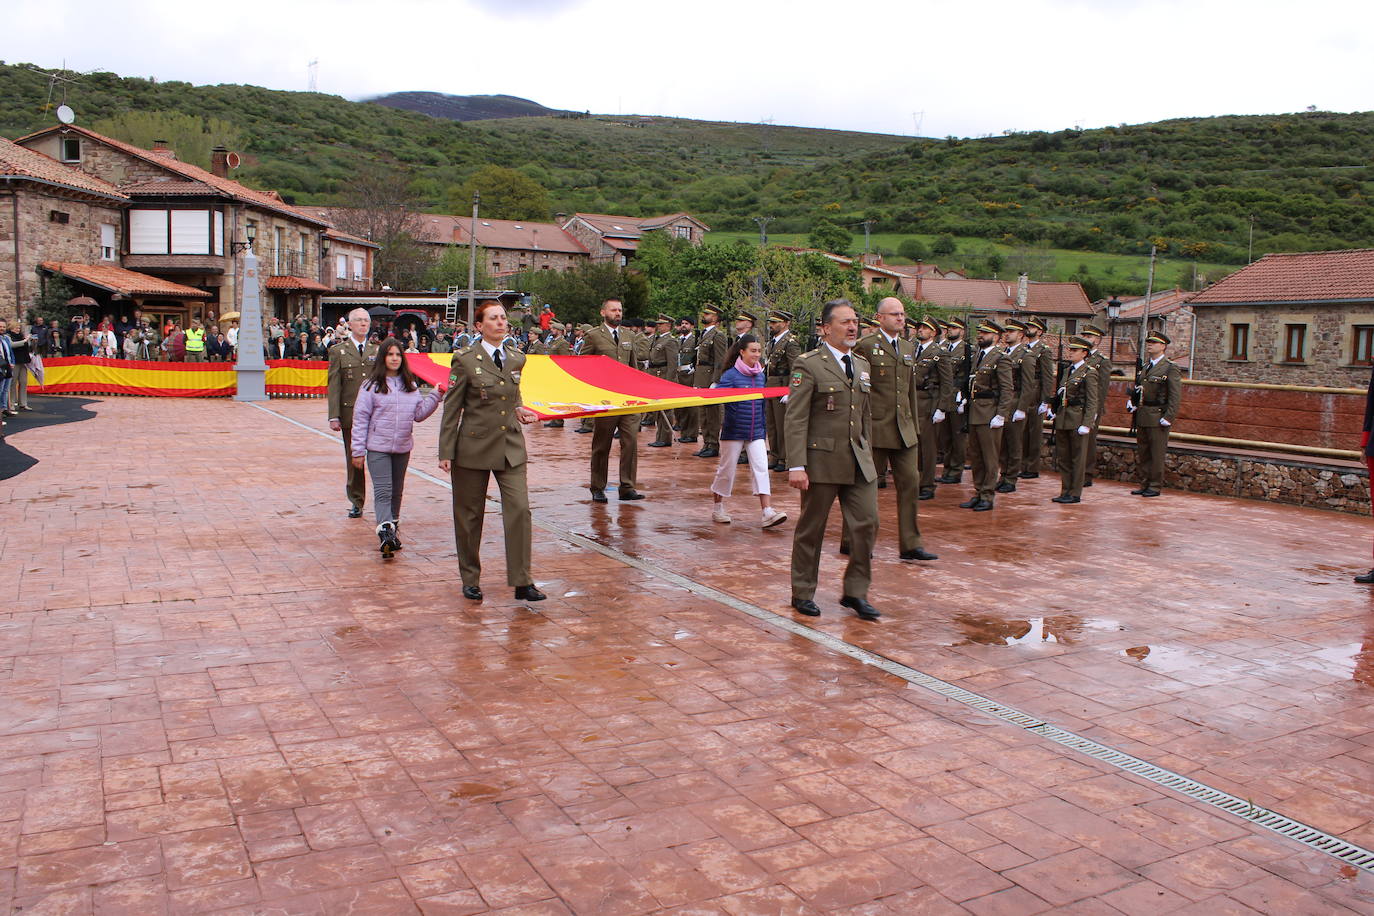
[520, 235]
[631, 226]
[620, 244]
[173, 188]
[1162, 302]
[339, 235]
[1055, 298]
[21, 162]
[296, 283]
[265, 199]
[999, 295]
[1317, 276]
[126, 282]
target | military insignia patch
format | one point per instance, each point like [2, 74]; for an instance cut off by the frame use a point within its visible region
[796, 379]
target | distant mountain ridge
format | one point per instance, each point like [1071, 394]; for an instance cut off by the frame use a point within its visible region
[464, 107]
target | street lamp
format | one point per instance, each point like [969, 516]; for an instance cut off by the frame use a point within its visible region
[252, 233]
[1113, 313]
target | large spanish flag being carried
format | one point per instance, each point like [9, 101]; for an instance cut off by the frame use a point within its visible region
[575, 386]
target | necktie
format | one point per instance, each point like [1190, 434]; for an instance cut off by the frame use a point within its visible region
[496, 357]
[981, 354]
[360, 349]
[848, 368]
[616, 336]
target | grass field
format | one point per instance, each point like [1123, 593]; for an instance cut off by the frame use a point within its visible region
[1121, 274]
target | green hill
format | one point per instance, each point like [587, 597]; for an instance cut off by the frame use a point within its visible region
[1195, 187]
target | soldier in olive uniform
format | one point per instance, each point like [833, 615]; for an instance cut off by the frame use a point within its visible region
[989, 407]
[1103, 366]
[712, 346]
[686, 335]
[663, 364]
[1159, 384]
[829, 457]
[610, 339]
[557, 346]
[481, 436]
[934, 380]
[893, 404]
[1078, 404]
[954, 433]
[349, 362]
[1046, 377]
[780, 353]
[1025, 397]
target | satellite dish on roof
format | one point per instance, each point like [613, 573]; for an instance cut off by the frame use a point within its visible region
[232, 160]
[65, 114]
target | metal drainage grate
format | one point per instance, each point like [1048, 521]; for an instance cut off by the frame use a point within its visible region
[1285, 826]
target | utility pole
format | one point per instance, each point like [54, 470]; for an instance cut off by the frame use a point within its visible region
[868, 225]
[472, 258]
[763, 222]
[1250, 251]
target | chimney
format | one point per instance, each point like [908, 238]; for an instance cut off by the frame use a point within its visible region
[219, 161]
[1022, 291]
[161, 148]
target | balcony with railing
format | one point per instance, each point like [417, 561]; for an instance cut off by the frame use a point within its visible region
[288, 262]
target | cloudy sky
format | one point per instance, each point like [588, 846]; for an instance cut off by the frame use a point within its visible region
[961, 67]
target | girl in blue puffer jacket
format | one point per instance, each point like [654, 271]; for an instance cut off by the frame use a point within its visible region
[744, 429]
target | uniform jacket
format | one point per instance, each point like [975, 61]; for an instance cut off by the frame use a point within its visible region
[643, 344]
[345, 375]
[599, 342]
[712, 348]
[686, 356]
[743, 419]
[829, 421]
[893, 398]
[559, 346]
[1024, 380]
[479, 429]
[663, 356]
[779, 357]
[1098, 360]
[1161, 392]
[934, 378]
[1046, 371]
[385, 421]
[991, 388]
[1082, 397]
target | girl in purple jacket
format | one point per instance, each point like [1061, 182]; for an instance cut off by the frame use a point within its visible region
[388, 407]
[743, 429]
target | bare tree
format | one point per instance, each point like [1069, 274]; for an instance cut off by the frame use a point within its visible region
[381, 208]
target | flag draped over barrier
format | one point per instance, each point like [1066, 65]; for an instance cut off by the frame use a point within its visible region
[574, 386]
[91, 375]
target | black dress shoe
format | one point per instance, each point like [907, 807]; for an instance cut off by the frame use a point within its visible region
[844, 550]
[984, 505]
[949, 478]
[1028, 475]
[970, 503]
[777, 467]
[743, 459]
[687, 438]
[882, 483]
[808, 607]
[677, 428]
[659, 444]
[472, 593]
[1366, 579]
[598, 495]
[1150, 492]
[861, 607]
[1066, 500]
[630, 493]
[1088, 482]
[582, 429]
[708, 452]
[554, 424]
[355, 512]
[927, 494]
[1006, 486]
[528, 593]
[1139, 492]
[917, 554]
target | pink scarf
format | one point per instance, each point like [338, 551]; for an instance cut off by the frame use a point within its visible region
[742, 366]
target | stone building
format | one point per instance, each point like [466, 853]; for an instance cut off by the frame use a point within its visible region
[1290, 319]
[1168, 312]
[616, 238]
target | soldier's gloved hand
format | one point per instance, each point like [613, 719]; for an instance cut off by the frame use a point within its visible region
[1130, 405]
[783, 399]
[1049, 414]
[938, 416]
[689, 370]
[1017, 416]
[1043, 409]
[1083, 430]
[959, 408]
[1164, 422]
[996, 422]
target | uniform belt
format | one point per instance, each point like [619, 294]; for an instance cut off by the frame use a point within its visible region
[658, 365]
[987, 394]
[1081, 402]
[1154, 404]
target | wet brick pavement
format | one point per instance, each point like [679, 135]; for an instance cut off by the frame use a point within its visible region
[214, 696]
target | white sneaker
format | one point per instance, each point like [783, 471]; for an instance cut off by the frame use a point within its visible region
[719, 514]
[772, 517]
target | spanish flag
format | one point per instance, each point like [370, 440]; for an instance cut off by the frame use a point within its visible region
[573, 386]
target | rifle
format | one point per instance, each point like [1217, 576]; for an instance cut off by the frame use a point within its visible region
[1138, 390]
[1057, 402]
[966, 384]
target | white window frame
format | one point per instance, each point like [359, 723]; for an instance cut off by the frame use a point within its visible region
[109, 242]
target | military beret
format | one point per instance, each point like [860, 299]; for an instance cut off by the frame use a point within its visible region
[1158, 337]
[1092, 329]
[1015, 324]
[987, 325]
[1036, 322]
[1078, 343]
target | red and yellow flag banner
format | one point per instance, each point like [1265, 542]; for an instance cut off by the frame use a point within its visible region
[91, 375]
[574, 386]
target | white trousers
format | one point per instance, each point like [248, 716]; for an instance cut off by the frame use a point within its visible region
[757, 449]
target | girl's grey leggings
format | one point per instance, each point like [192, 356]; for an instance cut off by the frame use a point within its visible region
[388, 472]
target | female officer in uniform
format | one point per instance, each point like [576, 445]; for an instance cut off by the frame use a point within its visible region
[481, 435]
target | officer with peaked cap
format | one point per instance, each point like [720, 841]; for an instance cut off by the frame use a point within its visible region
[1078, 403]
[1046, 378]
[779, 353]
[989, 407]
[1103, 366]
[1159, 387]
[953, 435]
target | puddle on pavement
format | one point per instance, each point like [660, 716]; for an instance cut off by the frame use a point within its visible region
[1168, 658]
[474, 792]
[1355, 660]
[1062, 629]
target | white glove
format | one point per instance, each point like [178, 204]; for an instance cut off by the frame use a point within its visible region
[959, 397]
[690, 369]
[1083, 430]
[783, 399]
[1130, 405]
[959, 408]
[1043, 409]
[1164, 422]
[1017, 416]
[1049, 414]
[938, 416]
[996, 422]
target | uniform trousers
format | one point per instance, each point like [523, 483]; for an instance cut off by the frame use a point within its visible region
[859, 509]
[1151, 447]
[774, 412]
[1013, 446]
[711, 417]
[927, 434]
[1034, 443]
[388, 470]
[603, 434]
[469, 508]
[906, 476]
[664, 426]
[984, 448]
[953, 442]
[1071, 460]
[1090, 462]
[356, 486]
[757, 451]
